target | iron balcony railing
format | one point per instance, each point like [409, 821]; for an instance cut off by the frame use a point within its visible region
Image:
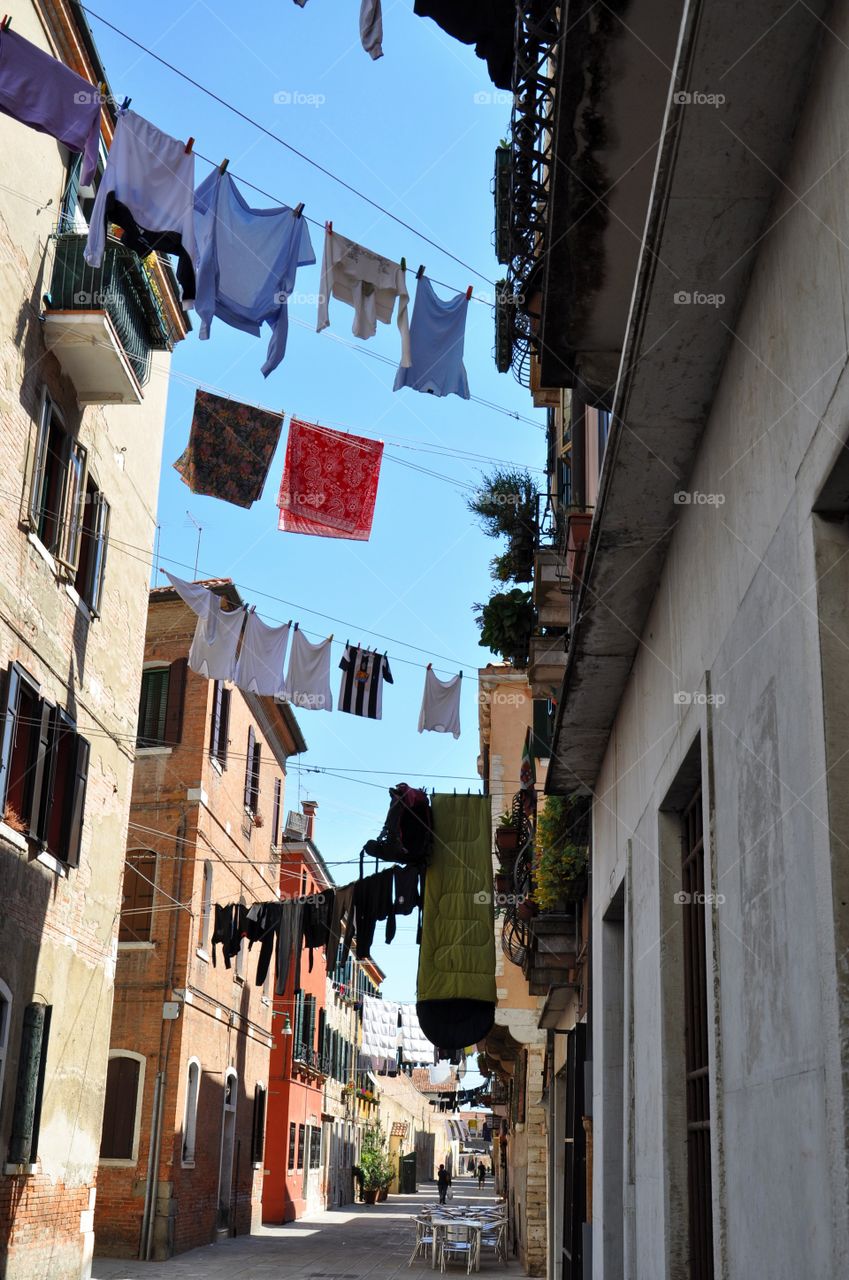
[122, 286]
[312, 1059]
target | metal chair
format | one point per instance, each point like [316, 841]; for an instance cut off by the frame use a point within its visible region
[458, 1243]
[494, 1236]
[424, 1239]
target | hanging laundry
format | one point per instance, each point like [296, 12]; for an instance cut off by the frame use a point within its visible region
[213, 649]
[373, 901]
[290, 934]
[307, 682]
[455, 988]
[147, 189]
[408, 893]
[230, 449]
[42, 92]
[247, 262]
[368, 283]
[416, 1049]
[440, 712]
[437, 334]
[363, 674]
[262, 658]
[318, 912]
[371, 27]
[380, 1028]
[406, 835]
[329, 484]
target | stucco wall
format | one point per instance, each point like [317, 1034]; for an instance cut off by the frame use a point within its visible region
[736, 620]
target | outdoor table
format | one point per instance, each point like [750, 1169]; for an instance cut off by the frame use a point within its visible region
[474, 1224]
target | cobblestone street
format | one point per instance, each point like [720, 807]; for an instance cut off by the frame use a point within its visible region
[359, 1242]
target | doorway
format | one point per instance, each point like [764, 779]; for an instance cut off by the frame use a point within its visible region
[228, 1143]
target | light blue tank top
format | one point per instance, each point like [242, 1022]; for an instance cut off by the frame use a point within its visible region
[437, 334]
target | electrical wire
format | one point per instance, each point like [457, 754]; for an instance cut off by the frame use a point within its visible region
[210, 93]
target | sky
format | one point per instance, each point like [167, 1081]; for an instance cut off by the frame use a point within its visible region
[416, 131]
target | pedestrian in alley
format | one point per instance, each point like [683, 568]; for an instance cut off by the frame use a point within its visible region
[443, 1182]
[481, 1173]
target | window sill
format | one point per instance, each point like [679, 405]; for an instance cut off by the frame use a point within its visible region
[202, 954]
[53, 864]
[136, 946]
[46, 556]
[217, 765]
[114, 1163]
[14, 837]
[154, 751]
[187, 1164]
[20, 1170]
[83, 608]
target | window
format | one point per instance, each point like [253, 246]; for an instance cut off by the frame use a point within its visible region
[315, 1148]
[205, 907]
[696, 1040]
[43, 769]
[603, 433]
[301, 1137]
[137, 902]
[275, 813]
[292, 1146]
[122, 1107]
[161, 705]
[32, 1063]
[258, 1127]
[252, 773]
[191, 1117]
[91, 553]
[5, 1022]
[220, 725]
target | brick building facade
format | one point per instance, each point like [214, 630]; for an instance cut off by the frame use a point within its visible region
[80, 433]
[191, 1037]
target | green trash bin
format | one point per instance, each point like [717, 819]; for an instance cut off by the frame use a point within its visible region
[407, 1174]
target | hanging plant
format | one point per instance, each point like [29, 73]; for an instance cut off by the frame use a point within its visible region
[506, 622]
[506, 505]
[561, 851]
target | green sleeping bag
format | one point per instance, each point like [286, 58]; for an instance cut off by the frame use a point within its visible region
[455, 991]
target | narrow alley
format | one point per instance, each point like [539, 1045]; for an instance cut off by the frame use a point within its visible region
[357, 1242]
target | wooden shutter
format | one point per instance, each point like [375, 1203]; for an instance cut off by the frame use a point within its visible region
[249, 767]
[255, 778]
[176, 697]
[215, 725]
[97, 569]
[42, 770]
[119, 1112]
[223, 738]
[7, 736]
[137, 902]
[76, 800]
[39, 462]
[275, 813]
[72, 517]
[258, 1134]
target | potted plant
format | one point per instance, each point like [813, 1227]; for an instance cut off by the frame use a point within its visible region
[527, 908]
[375, 1163]
[506, 838]
[561, 853]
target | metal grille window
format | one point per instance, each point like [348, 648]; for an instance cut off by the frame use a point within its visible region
[315, 1148]
[699, 1179]
[292, 1146]
[301, 1140]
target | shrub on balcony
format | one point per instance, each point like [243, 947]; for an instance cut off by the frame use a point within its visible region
[506, 622]
[506, 505]
[561, 854]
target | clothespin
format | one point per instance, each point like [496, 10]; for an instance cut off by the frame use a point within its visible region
[403, 264]
[299, 209]
[330, 637]
[328, 226]
[189, 145]
[222, 168]
[420, 272]
[430, 666]
[7, 21]
[469, 293]
[125, 105]
[101, 84]
[297, 625]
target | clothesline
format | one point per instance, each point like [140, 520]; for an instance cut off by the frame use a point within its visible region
[281, 141]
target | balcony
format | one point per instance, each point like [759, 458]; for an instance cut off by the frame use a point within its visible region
[547, 662]
[552, 589]
[310, 1061]
[554, 943]
[103, 323]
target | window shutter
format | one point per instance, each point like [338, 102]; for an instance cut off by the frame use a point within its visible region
[98, 558]
[119, 1112]
[42, 781]
[72, 517]
[224, 732]
[176, 697]
[275, 813]
[215, 726]
[76, 807]
[255, 778]
[138, 894]
[299, 1017]
[249, 767]
[39, 462]
[258, 1140]
[7, 740]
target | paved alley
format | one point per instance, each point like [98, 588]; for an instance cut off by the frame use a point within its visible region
[357, 1242]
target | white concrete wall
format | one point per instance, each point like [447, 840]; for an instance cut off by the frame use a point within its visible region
[737, 616]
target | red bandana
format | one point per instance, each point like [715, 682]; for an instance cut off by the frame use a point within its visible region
[329, 484]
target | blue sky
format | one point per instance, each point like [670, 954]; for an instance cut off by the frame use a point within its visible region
[416, 131]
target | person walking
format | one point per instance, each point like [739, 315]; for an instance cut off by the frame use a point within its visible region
[481, 1173]
[443, 1182]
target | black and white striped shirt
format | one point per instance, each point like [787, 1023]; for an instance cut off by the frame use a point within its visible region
[363, 674]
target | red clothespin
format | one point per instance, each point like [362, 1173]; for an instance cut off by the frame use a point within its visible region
[222, 168]
[189, 145]
[430, 666]
[420, 272]
[328, 226]
[7, 21]
[469, 293]
[299, 209]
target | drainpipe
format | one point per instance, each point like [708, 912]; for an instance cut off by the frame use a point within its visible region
[148, 1213]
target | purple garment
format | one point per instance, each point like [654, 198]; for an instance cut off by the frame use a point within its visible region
[48, 96]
